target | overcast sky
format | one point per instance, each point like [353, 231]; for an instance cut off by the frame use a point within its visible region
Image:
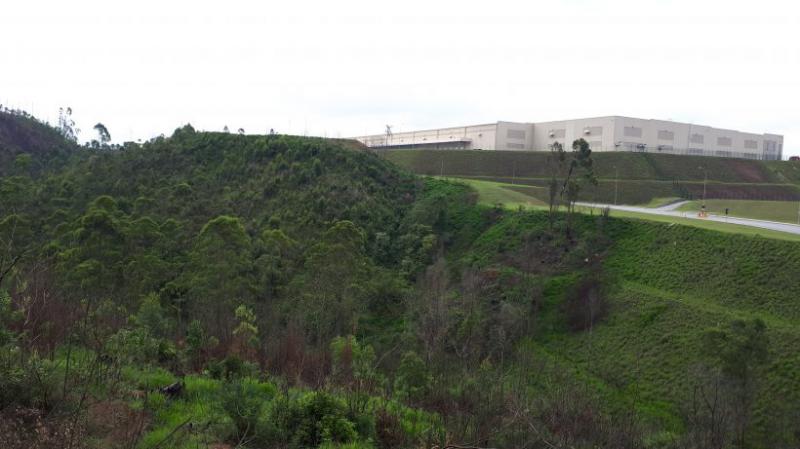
[342, 68]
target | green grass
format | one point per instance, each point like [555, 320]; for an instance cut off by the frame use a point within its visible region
[728, 228]
[493, 193]
[645, 350]
[608, 165]
[643, 192]
[668, 285]
[783, 211]
[623, 178]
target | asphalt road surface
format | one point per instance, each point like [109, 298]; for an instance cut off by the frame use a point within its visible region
[669, 210]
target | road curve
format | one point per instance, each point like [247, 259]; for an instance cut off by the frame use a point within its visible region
[669, 211]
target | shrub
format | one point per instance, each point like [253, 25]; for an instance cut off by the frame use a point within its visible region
[232, 367]
[413, 378]
[310, 420]
[242, 401]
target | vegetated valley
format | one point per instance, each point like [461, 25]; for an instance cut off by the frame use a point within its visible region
[215, 290]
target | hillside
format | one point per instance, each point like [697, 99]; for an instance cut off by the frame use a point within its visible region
[670, 285]
[22, 134]
[288, 292]
[642, 176]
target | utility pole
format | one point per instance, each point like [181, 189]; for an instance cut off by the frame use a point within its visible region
[616, 183]
[798, 212]
[441, 170]
[705, 180]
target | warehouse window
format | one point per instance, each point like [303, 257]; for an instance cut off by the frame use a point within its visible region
[697, 138]
[724, 141]
[751, 144]
[723, 153]
[695, 151]
[516, 146]
[593, 130]
[518, 134]
[632, 131]
[666, 135]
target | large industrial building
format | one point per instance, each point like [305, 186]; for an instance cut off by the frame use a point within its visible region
[612, 133]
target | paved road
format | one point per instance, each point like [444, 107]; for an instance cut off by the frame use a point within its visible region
[669, 210]
[672, 206]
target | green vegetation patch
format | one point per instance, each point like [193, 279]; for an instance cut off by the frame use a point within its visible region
[782, 211]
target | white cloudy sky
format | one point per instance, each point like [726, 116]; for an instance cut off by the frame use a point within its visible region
[340, 68]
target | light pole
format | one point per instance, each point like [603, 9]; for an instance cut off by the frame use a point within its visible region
[705, 180]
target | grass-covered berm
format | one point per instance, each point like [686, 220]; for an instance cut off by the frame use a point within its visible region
[663, 289]
[623, 177]
[220, 290]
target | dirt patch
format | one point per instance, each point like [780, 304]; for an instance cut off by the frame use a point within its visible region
[115, 423]
[30, 428]
[749, 171]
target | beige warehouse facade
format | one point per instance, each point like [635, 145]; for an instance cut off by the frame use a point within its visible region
[610, 133]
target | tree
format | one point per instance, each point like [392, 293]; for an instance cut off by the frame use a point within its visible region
[94, 260]
[277, 260]
[333, 283]
[198, 343]
[67, 125]
[246, 331]
[739, 352]
[15, 243]
[102, 134]
[555, 163]
[567, 175]
[153, 317]
[581, 160]
[220, 270]
[354, 368]
[413, 379]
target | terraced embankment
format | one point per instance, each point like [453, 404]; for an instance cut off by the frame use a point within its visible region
[630, 178]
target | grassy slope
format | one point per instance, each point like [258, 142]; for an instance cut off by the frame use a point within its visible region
[784, 211]
[642, 177]
[669, 285]
[493, 193]
[607, 164]
[677, 282]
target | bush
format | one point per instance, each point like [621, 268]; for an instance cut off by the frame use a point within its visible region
[413, 378]
[232, 367]
[242, 401]
[310, 420]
